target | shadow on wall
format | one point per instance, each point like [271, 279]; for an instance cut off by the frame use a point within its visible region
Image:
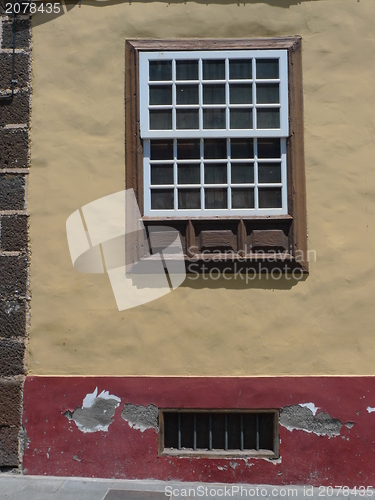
[285, 4]
[45, 17]
[215, 281]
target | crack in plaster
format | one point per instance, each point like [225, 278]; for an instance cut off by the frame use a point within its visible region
[302, 417]
[141, 417]
[96, 413]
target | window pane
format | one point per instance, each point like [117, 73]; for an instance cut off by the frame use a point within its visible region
[218, 431]
[214, 70]
[269, 148]
[186, 70]
[203, 429]
[268, 94]
[162, 199]
[170, 430]
[187, 430]
[160, 70]
[187, 94]
[187, 119]
[161, 94]
[241, 118]
[188, 173]
[161, 174]
[242, 148]
[214, 118]
[215, 149]
[215, 198]
[242, 172]
[269, 172]
[241, 94]
[240, 69]
[188, 149]
[268, 118]
[266, 432]
[269, 198]
[242, 198]
[162, 150]
[267, 68]
[234, 431]
[249, 427]
[161, 119]
[215, 173]
[189, 198]
[213, 94]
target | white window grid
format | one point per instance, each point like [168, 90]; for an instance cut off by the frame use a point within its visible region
[201, 133]
[256, 185]
[200, 56]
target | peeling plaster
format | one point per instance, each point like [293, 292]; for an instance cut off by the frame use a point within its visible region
[349, 425]
[311, 407]
[96, 413]
[369, 409]
[302, 417]
[141, 417]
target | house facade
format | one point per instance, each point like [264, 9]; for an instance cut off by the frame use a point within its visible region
[239, 139]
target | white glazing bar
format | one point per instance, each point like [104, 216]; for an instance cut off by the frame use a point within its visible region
[284, 191]
[174, 99]
[201, 145]
[256, 204]
[200, 91]
[229, 176]
[283, 73]
[254, 89]
[175, 174]
[146, 176]
[227, 94]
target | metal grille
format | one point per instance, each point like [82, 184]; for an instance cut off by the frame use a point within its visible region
[219, 432]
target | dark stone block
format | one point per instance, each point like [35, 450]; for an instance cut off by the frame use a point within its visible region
[12, 318]
[15, 111]
[11, 402]
[23, 33]
[13, 233]
[8, 447]
[12, 192]
[11, 358]
[14, 148]
[21, 70]
[13, 272]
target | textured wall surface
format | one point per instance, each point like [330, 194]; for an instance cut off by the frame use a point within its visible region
[321, 325]
[326, 430]
[14, 256]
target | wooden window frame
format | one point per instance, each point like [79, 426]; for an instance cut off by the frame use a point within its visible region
[216, 452]
[256, 240]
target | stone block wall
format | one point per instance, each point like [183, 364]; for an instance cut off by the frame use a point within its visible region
[14, 251]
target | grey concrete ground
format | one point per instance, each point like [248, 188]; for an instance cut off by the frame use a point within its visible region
[18, 487]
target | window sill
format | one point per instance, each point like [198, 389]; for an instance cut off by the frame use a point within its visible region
[219, 453]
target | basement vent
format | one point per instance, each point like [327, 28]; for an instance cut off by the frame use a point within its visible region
[219, 432]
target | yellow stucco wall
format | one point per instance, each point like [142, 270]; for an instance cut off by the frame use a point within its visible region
[322, 325]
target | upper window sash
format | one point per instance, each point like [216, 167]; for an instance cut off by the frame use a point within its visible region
[262, 100]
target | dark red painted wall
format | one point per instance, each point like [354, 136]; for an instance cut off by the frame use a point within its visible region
[123, 452]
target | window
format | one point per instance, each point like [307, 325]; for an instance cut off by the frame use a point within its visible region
[214, 127]
[219, 432]
[214, 144]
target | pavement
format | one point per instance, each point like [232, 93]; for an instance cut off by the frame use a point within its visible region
[21, 487]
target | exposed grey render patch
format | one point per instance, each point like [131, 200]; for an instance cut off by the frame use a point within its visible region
[141, 417]
[349, 425]
[96, 413]
[302, 418]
